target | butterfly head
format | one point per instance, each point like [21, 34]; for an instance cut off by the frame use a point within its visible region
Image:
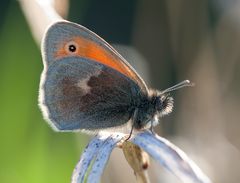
[157, 104]
[163, 104]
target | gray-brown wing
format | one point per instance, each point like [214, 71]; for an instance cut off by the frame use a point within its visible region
[79, 93]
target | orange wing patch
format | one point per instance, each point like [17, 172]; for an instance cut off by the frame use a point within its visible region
[89, 49]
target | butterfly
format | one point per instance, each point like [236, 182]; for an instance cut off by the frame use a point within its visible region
[87, 85]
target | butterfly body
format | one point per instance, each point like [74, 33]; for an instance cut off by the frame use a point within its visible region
[87, 85]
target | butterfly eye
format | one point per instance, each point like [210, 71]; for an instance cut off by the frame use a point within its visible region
[71, 47]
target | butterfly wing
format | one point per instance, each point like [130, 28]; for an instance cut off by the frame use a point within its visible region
[92, 89]
[91, 46]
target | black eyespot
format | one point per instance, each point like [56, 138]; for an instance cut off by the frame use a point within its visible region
[72, 48]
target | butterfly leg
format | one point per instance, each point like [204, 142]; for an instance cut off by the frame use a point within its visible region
[133, 122]
[151, 128]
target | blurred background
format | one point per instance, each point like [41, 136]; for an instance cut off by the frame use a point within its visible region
[166, 41]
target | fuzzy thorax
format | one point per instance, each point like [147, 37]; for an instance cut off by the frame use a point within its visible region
[151, 108]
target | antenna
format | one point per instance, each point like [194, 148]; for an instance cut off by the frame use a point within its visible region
[182, 84]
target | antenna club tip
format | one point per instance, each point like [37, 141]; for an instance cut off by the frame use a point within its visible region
[189, 83]
[178, 86]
